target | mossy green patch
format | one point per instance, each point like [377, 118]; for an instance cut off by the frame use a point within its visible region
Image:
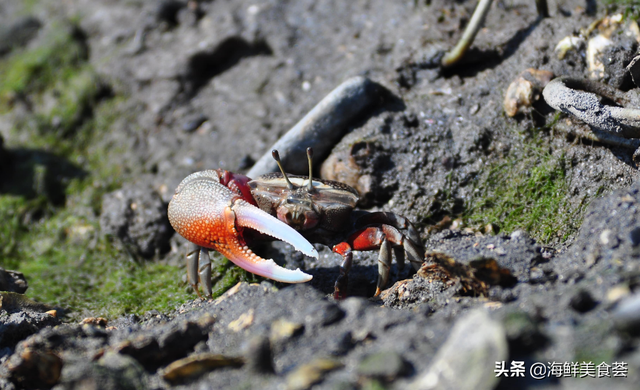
[61, 160]
[527, 190]
[34, 70]
[629, 8]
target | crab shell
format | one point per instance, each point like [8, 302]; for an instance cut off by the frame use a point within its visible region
[322, 208]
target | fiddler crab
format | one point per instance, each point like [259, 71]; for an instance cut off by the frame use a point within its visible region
[225, 211]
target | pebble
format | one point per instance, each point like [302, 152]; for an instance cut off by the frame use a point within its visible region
[192, 124]
[282, 329]
[196, 365]
[35, 369]
[626, 315]
[13, 281]
[467, 358]
[311, 373]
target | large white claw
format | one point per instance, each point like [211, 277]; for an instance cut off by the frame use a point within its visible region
[249, 216]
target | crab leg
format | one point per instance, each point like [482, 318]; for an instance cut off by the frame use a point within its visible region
[199, 268]
[212, 216]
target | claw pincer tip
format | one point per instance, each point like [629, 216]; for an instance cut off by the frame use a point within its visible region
[210, 215]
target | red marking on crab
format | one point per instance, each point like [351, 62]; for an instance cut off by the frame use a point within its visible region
[213, 209]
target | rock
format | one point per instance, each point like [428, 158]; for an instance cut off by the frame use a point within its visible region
[192, 123]
[525, 90]
[35, 369]
[282, 330]
[386, 365]
[311, 373]
[626, 314]
[167, 343]
[137, 216]
[467, 359]
[194, 366]
[113, 371]
[12, 281]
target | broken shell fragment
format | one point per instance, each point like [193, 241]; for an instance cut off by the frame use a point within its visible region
[567, 43]
[595, 48]
[525, 90]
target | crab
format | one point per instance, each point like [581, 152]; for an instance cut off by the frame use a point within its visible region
[224, 211]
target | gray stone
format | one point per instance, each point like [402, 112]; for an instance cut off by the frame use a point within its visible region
[627, 314]
[137, 216]
[467, 359]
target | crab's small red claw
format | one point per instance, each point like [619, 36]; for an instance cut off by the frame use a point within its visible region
[210, 215]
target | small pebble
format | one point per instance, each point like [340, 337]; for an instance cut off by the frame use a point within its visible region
[194, 123]
[627, 314]
[311, 373]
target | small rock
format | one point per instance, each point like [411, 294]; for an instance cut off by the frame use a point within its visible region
[595, 48]
[192, 124]
[14, 302]
[282, 330]
[137, 216]
[626, 315]
[386, 365]
[35, 369]
[244, 321]
[129, 372]
[95, 321]
[194, 366]
[467, 358]
[311, 373]
[608, 238]
[12, 281]
[525, 90]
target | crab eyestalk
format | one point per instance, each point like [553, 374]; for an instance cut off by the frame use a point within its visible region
[276, 156]
[310, 159]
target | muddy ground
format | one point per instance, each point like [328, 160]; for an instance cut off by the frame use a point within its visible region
[536, 229]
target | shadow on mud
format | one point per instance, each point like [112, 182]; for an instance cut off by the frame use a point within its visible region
[34, 173]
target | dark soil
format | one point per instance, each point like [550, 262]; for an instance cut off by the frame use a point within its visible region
[213, 84]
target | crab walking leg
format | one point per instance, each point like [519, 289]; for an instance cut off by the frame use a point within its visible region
[199, 269]
[384, 266]
[383, 237]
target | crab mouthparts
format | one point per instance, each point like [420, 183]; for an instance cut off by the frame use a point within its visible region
[246, 215]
